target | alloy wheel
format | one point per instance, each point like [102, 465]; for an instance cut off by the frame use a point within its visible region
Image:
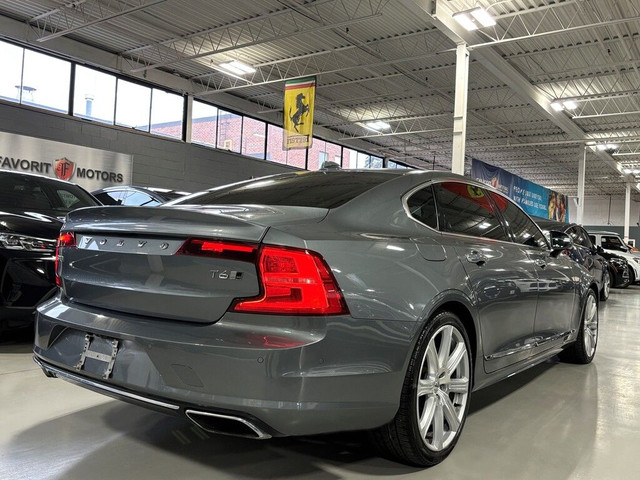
[590, 329]
[443, 388]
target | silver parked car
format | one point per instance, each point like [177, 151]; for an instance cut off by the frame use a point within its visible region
[313, 302]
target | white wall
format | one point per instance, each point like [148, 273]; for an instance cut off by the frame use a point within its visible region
[598, 211]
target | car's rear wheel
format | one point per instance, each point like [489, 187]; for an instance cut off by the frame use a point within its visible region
[584, 348]
[606, 285]
[435, 396]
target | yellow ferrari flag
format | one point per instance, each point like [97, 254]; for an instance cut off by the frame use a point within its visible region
[299, 98]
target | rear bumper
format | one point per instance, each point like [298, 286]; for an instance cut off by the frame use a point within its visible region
[290, 375]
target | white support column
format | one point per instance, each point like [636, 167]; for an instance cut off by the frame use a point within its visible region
[581, 171]
[627, 211]
[188, 117]
[460, 109]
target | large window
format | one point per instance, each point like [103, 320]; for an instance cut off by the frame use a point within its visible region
[45, 82]
[11, 77]
[204, 123]
[321, 152]
[253, 137]
[229, 131]
[275, 153]
[132, 105]
[166, 113]
[94, 95]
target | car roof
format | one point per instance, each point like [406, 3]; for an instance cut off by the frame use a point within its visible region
[602, 232]
[35, 175]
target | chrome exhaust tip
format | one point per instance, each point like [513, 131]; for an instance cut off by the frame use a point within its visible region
[226, 424]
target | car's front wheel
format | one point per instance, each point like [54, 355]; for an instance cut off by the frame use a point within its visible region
[435, 396]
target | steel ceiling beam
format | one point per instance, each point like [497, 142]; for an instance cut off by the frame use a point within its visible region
[102, 10]
[440, 12]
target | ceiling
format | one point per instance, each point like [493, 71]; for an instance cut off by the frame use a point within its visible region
[395, 60]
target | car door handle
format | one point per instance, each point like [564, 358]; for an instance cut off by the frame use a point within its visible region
[476, 257]
[540, 263]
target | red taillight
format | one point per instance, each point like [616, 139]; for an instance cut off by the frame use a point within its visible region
[218, 248]
[65, 239]
[294, 282]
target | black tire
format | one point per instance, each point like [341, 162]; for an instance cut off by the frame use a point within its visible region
[402, 439]
[581, 351]
[628, 282]
[606, 286]
[632, 276]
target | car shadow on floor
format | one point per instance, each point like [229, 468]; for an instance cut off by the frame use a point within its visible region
[143, 444]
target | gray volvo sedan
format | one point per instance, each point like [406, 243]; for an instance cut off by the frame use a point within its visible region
[315, 302]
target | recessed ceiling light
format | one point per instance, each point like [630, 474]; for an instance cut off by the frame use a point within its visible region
[237, 67]
[378, 125]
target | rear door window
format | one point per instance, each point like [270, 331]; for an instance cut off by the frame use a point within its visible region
[466, 209]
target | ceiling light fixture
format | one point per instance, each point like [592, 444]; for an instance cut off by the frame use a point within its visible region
[378, 125]
[570, 104]
[557, 106]
[237, 67]
[606, 147]
[474, 18]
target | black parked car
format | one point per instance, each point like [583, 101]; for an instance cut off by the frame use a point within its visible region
[32, 208]
[136, 196]
[608, 269]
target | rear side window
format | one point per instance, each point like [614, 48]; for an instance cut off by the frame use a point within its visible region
[422, 207]
[305, 189]
[466, 209]
[524, 230]
[112, 197]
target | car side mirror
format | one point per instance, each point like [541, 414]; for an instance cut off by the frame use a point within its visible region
[559, 241]
[599, 249]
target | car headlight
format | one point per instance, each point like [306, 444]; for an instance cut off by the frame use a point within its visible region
[12, 241]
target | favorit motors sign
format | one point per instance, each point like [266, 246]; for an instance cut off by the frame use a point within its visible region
[89, 167]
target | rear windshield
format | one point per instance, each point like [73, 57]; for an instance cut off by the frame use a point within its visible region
[39, 195]
[305, 189]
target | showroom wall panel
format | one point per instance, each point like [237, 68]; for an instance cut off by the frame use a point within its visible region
[602, 213]
[156, 161]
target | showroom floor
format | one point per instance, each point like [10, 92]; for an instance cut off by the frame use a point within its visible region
[555, 421]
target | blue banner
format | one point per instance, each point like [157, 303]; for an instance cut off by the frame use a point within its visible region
[533, 198]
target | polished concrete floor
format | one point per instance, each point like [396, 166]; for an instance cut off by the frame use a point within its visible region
[555, 421]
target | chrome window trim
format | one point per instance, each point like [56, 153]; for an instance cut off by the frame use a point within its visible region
[435, 181]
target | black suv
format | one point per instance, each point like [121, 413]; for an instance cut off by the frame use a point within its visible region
[609, 270]
[31, 211]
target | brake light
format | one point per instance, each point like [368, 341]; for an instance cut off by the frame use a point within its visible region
[294, 282]
[65, 239]
[218, 248]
